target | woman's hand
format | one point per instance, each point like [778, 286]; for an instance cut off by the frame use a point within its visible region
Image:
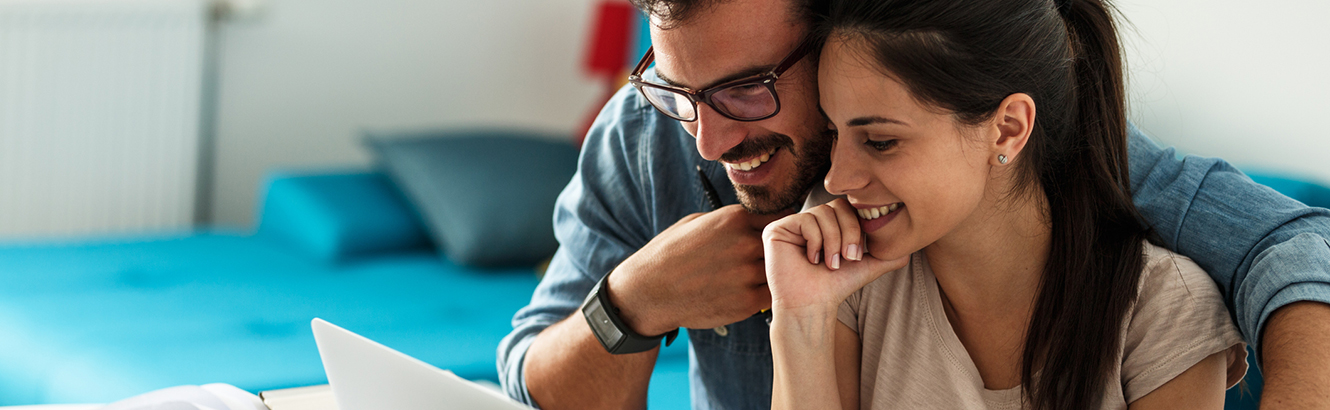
[815, 259]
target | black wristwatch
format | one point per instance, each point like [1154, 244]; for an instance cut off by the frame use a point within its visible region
[616, 336]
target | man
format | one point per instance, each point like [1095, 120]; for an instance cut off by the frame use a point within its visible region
[635, 212]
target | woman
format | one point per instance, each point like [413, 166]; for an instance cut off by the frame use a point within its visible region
[985, 252]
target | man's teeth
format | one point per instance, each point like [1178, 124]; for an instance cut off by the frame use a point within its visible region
[751, 165]
[874, 213]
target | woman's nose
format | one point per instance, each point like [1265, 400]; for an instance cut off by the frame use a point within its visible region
[847, 171]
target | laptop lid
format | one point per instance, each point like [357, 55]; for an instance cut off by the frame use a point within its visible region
[366, 375]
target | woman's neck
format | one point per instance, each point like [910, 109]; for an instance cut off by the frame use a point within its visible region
[988, 271]
[990, 267]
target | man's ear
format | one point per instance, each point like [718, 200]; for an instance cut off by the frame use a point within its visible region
[1014, 122]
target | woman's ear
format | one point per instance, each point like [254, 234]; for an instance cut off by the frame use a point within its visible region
[1014, 122]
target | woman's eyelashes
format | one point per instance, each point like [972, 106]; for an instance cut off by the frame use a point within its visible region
[881, 145]
[884, 145]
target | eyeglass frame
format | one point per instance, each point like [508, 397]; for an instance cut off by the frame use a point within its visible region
[767, 79]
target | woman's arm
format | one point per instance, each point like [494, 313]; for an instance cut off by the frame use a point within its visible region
[1200, 387]
[848, 349]
[804, 360]
[813, 371]
[807, 288]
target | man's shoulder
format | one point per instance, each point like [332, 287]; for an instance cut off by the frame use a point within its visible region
[628, 115]
[630, 132]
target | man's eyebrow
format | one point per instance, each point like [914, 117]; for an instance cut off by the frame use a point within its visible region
[748, 72]
[873, 119]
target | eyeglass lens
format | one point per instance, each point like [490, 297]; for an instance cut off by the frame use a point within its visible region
[742, 101]
[674, 104]
[745, 101]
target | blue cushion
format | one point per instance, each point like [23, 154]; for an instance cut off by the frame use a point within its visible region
[487, 196]
[339, 215]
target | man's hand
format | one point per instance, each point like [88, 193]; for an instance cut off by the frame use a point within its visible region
[1296, 354]
[704, 271]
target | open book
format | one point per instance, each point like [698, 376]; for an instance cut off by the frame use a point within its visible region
[300, 398]
[216, 396]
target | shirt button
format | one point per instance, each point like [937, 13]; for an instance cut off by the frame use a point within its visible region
[722, 331]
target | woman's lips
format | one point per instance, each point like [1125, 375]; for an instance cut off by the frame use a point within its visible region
[874, 218]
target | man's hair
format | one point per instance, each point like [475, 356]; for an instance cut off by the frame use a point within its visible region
[671, 13]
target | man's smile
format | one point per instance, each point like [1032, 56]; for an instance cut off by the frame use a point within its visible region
[752, 163]
[755, 171]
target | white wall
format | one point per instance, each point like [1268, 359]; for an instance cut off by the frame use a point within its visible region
[1241, 80]
[1245, 81]
[301, 79]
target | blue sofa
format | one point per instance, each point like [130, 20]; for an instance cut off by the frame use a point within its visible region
[100, 320]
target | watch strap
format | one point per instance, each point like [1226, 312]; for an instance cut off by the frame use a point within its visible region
[609, 328]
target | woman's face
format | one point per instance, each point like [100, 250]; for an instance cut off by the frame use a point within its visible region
[892, 153]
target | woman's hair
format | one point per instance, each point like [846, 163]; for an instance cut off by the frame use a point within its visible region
[966, 56]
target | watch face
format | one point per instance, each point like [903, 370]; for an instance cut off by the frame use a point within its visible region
[605, 330]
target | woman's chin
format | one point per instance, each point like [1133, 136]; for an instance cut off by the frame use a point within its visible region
[887, 250]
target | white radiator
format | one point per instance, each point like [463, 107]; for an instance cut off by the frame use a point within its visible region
[100, 108]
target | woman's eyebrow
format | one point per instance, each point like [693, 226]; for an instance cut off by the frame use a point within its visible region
[873, 119]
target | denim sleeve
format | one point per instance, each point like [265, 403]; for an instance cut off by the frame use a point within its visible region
[1263, 249]
[598, 221]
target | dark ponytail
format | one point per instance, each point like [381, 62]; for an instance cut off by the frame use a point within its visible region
[966, 56]
[1097, 230]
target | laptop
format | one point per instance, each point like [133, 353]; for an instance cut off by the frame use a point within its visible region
[366, 375]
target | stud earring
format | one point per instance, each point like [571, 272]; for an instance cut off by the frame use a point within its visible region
[1002, 159]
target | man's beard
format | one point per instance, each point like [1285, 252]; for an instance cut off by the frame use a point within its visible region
[810, 162]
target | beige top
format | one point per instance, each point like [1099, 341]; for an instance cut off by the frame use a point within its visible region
[912, 358]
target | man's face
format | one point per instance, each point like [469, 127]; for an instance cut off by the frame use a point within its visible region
[737, 39]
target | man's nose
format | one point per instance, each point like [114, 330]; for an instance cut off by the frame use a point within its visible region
[716, 134]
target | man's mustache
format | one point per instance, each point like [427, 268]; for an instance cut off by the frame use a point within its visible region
[753, 147]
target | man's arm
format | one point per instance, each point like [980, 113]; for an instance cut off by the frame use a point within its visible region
[567, 368]
[1266, 251]
[1297, 355]
[702, 271]
[679, 283]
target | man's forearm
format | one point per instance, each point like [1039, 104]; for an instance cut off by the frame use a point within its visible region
[1295, 350]
[567, 368]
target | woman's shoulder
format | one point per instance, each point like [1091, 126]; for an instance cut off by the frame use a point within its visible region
[1178, 319]
[1167, 273]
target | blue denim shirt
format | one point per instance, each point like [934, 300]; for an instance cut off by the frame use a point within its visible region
[637, 176]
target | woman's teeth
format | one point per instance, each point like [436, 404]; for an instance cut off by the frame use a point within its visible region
[874, 213]
[751, 165]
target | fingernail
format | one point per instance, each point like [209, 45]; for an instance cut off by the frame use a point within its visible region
[851, 252]
[817, 258]
[835, 261]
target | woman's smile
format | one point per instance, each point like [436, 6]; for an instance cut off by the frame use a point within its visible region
[874, 217]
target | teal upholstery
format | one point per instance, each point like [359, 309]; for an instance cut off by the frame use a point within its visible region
[1304, 191]
[100, 320]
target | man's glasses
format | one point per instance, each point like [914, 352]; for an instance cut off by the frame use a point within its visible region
[746, 99]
